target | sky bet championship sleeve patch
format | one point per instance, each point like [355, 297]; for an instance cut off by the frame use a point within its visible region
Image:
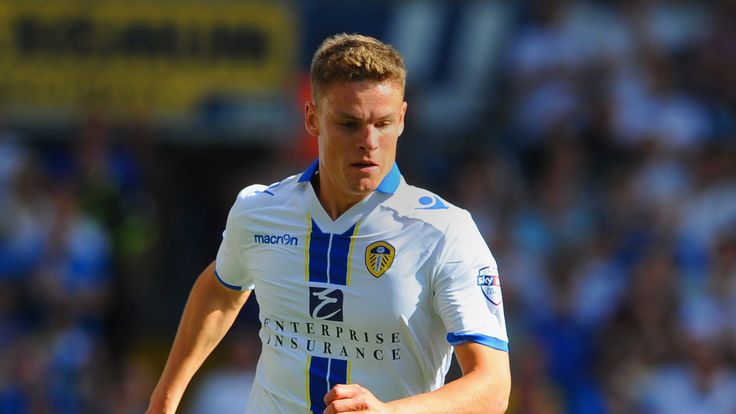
[490, 284]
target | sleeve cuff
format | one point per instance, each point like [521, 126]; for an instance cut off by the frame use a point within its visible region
[489, 341]
[227, 285]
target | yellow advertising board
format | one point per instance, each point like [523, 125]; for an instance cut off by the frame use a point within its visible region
[164, 56]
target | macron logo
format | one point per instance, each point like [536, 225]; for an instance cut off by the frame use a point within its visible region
[285, 239]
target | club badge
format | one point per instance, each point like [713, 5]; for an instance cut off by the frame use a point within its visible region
[378, 257]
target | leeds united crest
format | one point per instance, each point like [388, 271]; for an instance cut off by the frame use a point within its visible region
[378, 257]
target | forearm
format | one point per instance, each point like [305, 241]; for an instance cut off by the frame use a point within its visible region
[484, 387]
[469, 395]
[207, 316]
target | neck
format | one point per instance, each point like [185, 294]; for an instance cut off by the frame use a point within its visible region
[333, 203]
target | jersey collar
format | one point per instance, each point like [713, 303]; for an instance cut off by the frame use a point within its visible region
[389, 184]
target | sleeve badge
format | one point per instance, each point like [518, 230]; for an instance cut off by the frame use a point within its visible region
[490, 285]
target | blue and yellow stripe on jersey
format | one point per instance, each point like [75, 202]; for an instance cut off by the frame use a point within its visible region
[322, 375]
[328, 256]
[328, 259]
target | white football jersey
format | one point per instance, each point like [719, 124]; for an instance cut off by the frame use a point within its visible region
[377, 297]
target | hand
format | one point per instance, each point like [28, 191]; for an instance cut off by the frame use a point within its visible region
[353, 398]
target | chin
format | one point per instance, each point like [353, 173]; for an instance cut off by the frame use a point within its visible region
[365, 187]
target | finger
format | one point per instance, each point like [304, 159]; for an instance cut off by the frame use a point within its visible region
[331, 410]
[342, 391]
[349, 405]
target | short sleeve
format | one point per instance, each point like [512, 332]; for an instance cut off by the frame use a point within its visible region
[230, 267]
[467, 287]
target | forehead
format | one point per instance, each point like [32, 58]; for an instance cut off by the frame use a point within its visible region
[352, 95]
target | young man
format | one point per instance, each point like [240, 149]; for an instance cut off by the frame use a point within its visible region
[364, 282]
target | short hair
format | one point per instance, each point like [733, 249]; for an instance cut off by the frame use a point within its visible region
[354, 58]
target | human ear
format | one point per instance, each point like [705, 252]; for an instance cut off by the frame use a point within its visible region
[404, 105]
[311, 120]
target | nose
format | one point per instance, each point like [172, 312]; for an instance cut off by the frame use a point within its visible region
[369, 138]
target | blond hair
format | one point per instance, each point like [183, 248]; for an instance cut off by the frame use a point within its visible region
[354, 58]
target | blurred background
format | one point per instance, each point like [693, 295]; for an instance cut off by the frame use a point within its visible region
[594, 142]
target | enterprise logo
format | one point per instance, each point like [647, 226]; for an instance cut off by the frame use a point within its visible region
[285, 239]
[325, 303]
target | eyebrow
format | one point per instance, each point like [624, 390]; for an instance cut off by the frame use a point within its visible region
[349, 116]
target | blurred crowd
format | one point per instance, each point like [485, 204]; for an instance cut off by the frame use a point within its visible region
[602, 173]
[75, 220]
[609, 199]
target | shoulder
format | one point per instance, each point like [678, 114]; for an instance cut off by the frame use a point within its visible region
[259, 196]
[415, 203]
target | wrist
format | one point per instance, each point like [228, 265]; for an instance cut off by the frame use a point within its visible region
[394, 407]
[163, 403]
[158, 407]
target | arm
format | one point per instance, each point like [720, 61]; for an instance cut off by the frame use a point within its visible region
[210, 311]
[484, 388]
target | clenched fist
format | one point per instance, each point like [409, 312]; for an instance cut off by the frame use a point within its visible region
[353, 398]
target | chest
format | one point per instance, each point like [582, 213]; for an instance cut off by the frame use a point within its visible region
[371, 271]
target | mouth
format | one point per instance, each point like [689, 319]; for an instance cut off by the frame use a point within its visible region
[365, 166]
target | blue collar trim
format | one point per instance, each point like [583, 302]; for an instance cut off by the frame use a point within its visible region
[391, 181]
[309, 172]
[389, 184]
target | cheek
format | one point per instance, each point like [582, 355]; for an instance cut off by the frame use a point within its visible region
[389, 138]
[333, 147]
[337, 141]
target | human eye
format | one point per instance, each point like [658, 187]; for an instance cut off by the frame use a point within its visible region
[349, 124]
[383, 124]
